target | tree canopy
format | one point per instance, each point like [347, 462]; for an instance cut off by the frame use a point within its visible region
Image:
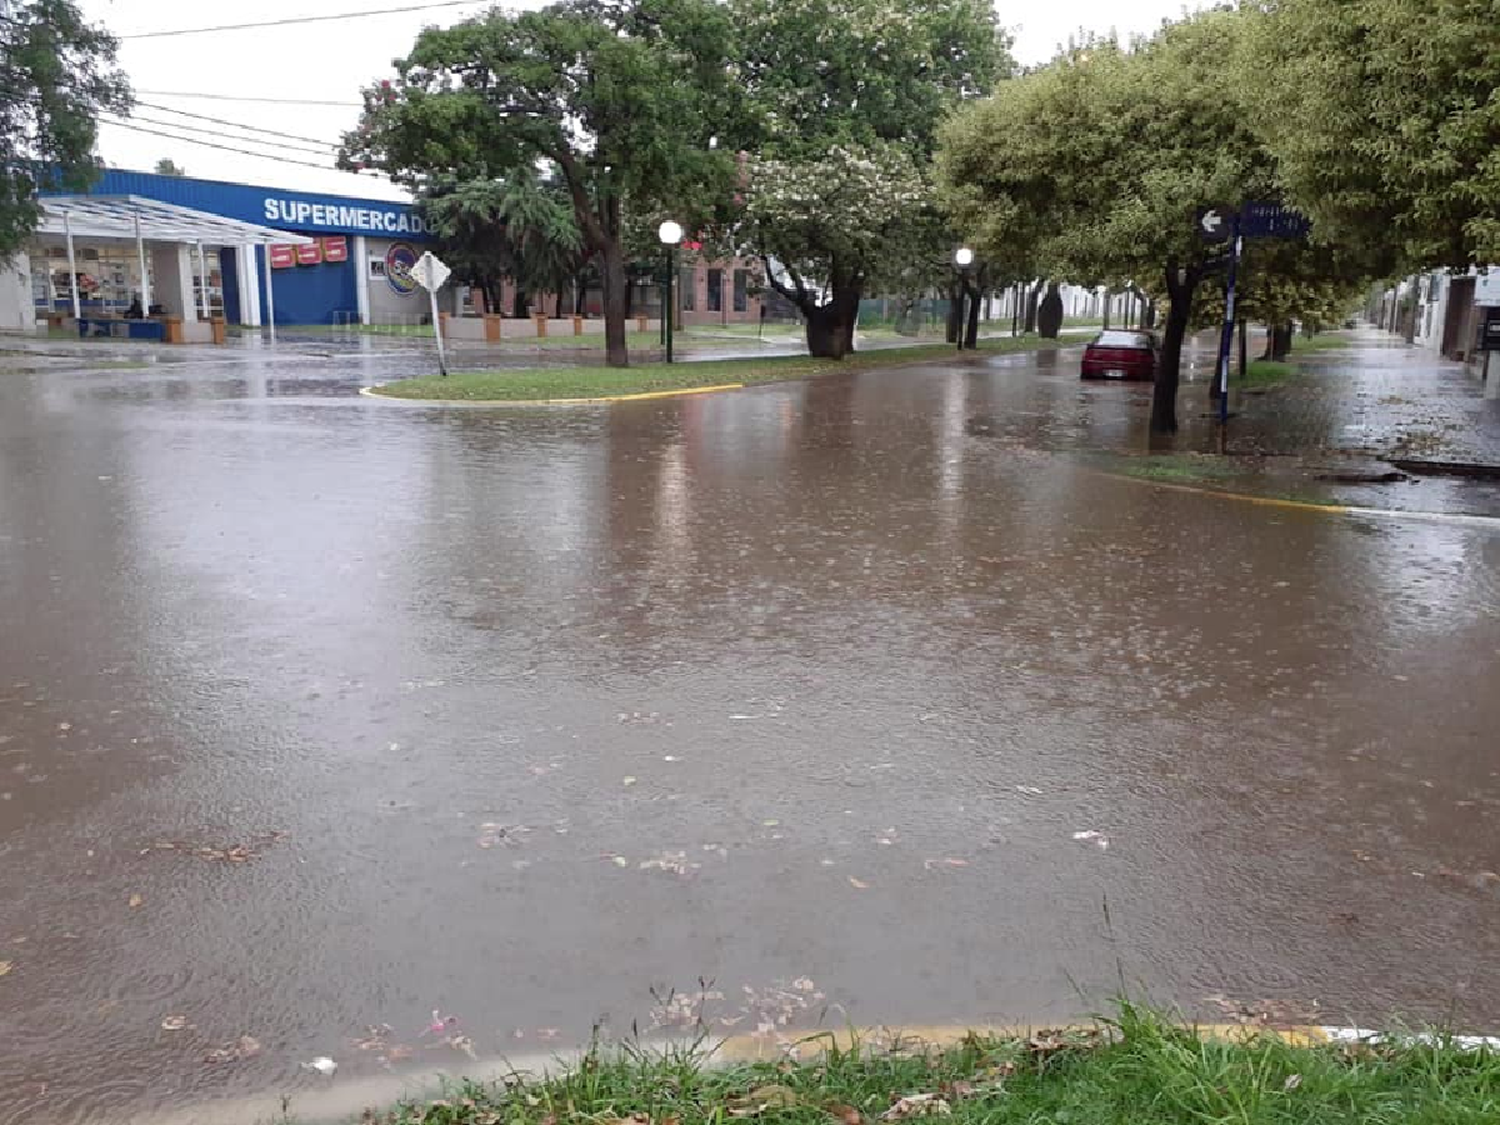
[56, 73]
[844, 98]
[522, 228]
[1383, 119]
[1095, 166]
[621, 100]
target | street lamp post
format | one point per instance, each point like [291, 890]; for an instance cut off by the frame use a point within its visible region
[963, 258]
[670, 234]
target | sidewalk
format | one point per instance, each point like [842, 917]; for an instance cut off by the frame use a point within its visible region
[1344, 420]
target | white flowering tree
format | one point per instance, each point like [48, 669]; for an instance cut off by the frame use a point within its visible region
[844, 99]
[831, 229]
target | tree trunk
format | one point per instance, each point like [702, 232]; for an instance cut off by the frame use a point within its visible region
[950, 333]
[1033, 295]
[971, 331]
[557, 303]
[1049, 315]
[518, 309]
[830, 327]
[612, 270]
[1179, 312]
[1281, 341]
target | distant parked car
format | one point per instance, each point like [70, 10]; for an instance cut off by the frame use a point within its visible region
[1120, 354]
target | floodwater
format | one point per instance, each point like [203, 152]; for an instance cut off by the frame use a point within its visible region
[806, 690]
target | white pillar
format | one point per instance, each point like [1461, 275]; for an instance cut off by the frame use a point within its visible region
[72, 267]
[361, 260]
[140, 253]
[202, 284]
[248, 274]
[172, 268]
[270, 291]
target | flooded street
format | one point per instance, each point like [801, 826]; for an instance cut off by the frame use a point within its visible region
[833, 690]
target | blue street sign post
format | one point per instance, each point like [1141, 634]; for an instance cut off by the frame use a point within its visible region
[1222, 224]
[1226, 338]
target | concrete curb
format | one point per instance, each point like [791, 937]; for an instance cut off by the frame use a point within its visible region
[747, 1048]
[338, 1100]
[374, 392]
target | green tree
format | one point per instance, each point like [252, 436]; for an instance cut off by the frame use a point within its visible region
[1383, 119]
[621, 100]
[522, 228]
[56, 74]
[166, 166]
[1094, 166]
[844, 100]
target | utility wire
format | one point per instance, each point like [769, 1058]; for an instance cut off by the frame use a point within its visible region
[224, 148]
[295, 20]
[234, 125]
[243, 98]
[325, 151]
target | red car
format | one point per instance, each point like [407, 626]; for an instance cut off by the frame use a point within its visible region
[1121, 354]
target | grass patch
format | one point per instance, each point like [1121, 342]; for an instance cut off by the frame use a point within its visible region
[1266, 373]
[1133, 1069]
[1323, 342]
[602, 382]
[1182, 468]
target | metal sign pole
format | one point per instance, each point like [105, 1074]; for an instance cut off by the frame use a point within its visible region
[437, 331]
[1226, 337]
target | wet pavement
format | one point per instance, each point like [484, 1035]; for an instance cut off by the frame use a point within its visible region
[869, 695]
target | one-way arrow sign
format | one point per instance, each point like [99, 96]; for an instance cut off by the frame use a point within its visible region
[1214, 224]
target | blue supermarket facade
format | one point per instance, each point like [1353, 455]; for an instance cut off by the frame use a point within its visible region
[354, 273]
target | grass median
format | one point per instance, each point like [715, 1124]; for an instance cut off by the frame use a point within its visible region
[1134, 1069]
[546, 383]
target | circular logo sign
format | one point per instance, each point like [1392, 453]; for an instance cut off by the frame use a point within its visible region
[399, 260]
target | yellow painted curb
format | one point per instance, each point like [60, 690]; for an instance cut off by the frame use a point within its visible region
[374, 392]
[1460, 518]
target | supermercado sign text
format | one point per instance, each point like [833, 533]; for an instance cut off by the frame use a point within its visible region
[304, 215]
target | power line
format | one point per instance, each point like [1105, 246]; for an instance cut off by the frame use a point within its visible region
[199, 130]
[295, 20]
[234, 125]
[243, 98]
[224, 148]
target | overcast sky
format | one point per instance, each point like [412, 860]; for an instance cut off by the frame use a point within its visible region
[330, 61]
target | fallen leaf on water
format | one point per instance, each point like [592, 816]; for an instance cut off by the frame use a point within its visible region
[946, 861]
[136, 901]
[463, 1044]
[629, 781]
[918, 1105]
[846, 1114]
[770, 823]
[1098, 838]
[858, 884]
[245, 1047]
[621, 861]
[174, 1023]
[322, 1064]
[1292, 1082]
[6, 966]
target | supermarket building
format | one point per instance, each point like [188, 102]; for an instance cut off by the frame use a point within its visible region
[210, 250]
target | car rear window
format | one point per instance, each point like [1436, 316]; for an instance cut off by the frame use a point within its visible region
[1124, 340]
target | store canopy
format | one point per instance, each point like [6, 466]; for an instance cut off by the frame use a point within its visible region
[129, 216]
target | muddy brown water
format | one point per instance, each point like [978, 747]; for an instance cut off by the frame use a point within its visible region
[858, 656]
